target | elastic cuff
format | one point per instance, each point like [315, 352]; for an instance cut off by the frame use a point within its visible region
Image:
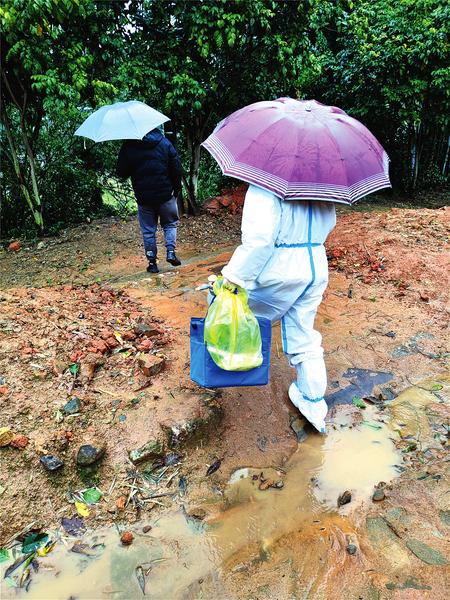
[232, 277]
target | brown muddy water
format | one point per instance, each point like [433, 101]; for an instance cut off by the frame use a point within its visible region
[184, 557]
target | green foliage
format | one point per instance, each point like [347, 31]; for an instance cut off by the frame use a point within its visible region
[384, 61]
[387, 63]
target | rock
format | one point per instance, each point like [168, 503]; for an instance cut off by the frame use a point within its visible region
[73, 406]
[40, 245]
[378, 495]
[428, 555]
[6, 436]
[149, 450]
[51, 462]
[386, 542]
[14, 246]
[203, 418]
[344, 498]
[197, 513]
[278, 485]
[444, 515]
[3, 390]
[298, 425]
[98, 346]
[89, 364]
[351, 549]
[145, 330]
[151, 365]
[127, 538]
[265, 485]
[20, 442]
[89, 454]
[120, 502]
[147, 528]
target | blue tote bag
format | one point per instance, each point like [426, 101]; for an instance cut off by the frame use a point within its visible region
[206, 373]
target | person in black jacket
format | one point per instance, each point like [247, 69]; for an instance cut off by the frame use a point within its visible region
[155, 170]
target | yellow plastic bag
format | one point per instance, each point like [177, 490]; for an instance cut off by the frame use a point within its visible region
[232, 333]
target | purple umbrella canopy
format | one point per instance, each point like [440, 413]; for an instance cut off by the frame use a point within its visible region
[300, 150]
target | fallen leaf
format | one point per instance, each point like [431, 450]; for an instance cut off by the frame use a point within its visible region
[356, 401]
[6, 436]
[214, 467]
[74, 369]
[82, 509]
[46, 549]
[92, 495]
[33, 541]
[75, 525]
[141, 578]
[4, 554]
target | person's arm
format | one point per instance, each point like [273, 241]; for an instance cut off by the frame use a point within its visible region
[260, 226]
[123, 169]
[175, 170]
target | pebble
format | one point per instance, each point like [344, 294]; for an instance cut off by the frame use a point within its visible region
[73, 406]
[88, 454]
[298, 427]
[20, 442]
[351, 549]
[127, 538]
[51, 462]
[344, 498]
[147, 528]
[378, 495]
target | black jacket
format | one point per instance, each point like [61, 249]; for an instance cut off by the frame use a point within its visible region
[154, 167]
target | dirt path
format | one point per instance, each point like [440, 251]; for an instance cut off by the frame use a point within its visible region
[79, 318]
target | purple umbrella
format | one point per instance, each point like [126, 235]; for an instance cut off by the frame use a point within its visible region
[300, 150]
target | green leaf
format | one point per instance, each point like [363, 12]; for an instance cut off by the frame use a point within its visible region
[92, 495]
[4, 554]
[436, 387]
[34, 541]
[356, 401]
[74, 369]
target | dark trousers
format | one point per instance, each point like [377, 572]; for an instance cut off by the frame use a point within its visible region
[167, 214]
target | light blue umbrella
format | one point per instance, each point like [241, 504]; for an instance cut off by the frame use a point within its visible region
[121, 121]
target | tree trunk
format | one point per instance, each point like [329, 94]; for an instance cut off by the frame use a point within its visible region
[36, 211]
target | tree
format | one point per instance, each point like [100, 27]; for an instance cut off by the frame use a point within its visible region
[387, 62]
[200, 61]
[46, 68]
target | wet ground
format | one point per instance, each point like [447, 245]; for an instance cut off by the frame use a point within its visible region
[288, 513]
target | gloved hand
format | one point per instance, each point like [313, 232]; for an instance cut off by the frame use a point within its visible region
[229, 285]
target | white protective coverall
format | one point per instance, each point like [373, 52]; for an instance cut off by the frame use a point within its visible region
[283, 265]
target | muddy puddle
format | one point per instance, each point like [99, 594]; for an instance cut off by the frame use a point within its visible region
[186, 557]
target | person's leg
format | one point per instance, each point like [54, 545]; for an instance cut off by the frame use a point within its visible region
[168, 214]
[302, 345]
[148, 221]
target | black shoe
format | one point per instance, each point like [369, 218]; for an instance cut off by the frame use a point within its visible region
[152, 267]
[172, 258]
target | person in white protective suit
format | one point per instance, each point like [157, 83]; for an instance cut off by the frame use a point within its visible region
[283, 265]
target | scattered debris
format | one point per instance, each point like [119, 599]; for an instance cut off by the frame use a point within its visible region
[73, 406]
[51, 462]
[89, 454]
[378, 495]
[344, 498]
[127, 538]
[6, 436]
[213, 467]
[151, 449]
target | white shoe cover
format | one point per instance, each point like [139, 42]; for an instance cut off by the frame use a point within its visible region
[315, 412]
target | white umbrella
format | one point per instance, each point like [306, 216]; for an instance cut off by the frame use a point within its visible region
[121, 121]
